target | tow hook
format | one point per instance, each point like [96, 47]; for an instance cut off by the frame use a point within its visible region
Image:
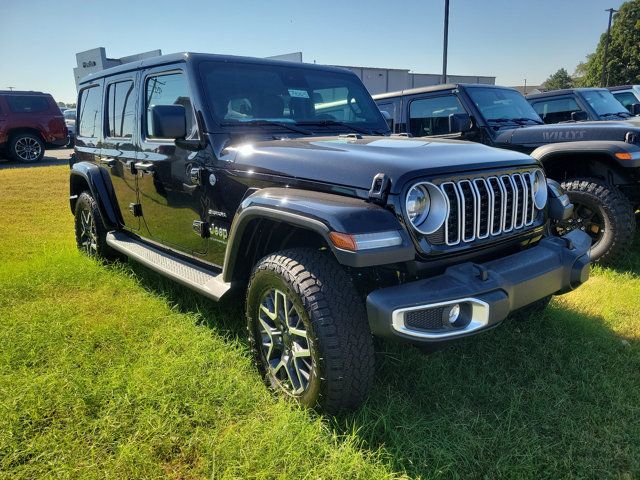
[481, 272]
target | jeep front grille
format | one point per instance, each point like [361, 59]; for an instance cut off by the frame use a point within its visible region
[487, 207]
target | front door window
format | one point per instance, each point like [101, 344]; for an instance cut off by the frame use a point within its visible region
[430, 116]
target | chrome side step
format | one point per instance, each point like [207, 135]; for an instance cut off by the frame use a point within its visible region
[188, 274]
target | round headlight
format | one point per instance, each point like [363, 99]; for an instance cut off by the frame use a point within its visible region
[426, 207]
[539, 188]
[417, 204]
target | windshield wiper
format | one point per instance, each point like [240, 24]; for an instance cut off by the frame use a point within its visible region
[268, 123]
[517, 121]
[616, 114]
[527, 119]
[335, 123]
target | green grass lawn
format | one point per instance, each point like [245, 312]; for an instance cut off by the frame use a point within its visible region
[114, 372]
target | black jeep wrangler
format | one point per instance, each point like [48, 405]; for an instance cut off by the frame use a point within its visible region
[223, 172]
[580, 104]
[598, 163]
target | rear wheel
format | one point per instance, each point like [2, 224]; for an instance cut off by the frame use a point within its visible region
[26, 148]
[308, 330]
[603, 212]
[91, 234]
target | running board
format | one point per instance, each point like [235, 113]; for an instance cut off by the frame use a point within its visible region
[187, 273]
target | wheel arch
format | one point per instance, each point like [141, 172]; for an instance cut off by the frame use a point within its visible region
[86, 176]
[276, 218]
[11, 133]
[563, 161]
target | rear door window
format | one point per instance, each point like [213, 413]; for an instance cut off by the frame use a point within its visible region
[89, 111]
[120, 109]
[557, 109]
[27, 103]
[430, 116]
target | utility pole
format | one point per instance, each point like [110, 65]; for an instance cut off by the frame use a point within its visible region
[525, 86]
[446, 41]
[605, 80]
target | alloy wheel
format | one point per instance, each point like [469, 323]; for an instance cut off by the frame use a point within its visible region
[284, 342]
[88, 233]
[28, 149]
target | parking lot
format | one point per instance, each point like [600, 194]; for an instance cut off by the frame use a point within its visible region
[53, 156]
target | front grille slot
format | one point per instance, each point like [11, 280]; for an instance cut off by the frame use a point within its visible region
[485, 207]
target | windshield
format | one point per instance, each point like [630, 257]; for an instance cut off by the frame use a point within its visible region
[245, 94]
[603, 102]
[69, 114]
[501, 105]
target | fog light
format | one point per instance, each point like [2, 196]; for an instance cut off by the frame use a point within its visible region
[452, 313]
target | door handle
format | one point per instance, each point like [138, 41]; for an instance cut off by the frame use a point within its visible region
[144, 167]
[108, 162]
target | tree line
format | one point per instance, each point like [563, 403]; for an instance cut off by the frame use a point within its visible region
[623, 57]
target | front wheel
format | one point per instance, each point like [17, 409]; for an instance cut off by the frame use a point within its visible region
[308, 330]
[603, 212]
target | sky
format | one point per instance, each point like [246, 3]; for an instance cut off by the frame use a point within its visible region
[509, 39]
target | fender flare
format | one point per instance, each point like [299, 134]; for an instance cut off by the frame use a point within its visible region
[321, 213]
[99, 184]
[607, 148]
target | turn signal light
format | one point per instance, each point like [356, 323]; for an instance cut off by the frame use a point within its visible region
[343, 241]
[365, 241]
[624, 156]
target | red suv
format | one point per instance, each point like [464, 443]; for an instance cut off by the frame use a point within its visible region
[28, 122]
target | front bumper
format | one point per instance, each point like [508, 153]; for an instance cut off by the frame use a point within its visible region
[485, 293]
[59, 142]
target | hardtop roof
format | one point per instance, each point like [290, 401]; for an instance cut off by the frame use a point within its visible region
[187, 57]
[436, 88]
[563, 91]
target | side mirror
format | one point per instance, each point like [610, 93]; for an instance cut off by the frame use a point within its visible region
[459, 123]
[387, 118]
[579, 116]
[634, 109]
[168, 121]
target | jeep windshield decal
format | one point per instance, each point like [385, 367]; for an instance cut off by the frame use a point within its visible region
[295, 98]
[502, 107]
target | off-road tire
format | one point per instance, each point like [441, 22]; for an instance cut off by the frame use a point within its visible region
[532, 310]
[614, 208]
[334, 316]
[87, 208]
[20, 142]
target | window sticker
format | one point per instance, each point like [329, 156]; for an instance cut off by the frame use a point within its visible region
[298, 93]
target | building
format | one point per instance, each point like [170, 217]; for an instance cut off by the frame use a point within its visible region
[94, 60]
[383, 80]
[377, 80]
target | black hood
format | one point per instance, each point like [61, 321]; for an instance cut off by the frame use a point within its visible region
[535, 136]
[353, 162]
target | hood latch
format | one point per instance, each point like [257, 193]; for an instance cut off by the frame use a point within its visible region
[380, 187]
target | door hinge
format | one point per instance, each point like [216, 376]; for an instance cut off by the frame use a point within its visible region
[202, 229]
[136, 209]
